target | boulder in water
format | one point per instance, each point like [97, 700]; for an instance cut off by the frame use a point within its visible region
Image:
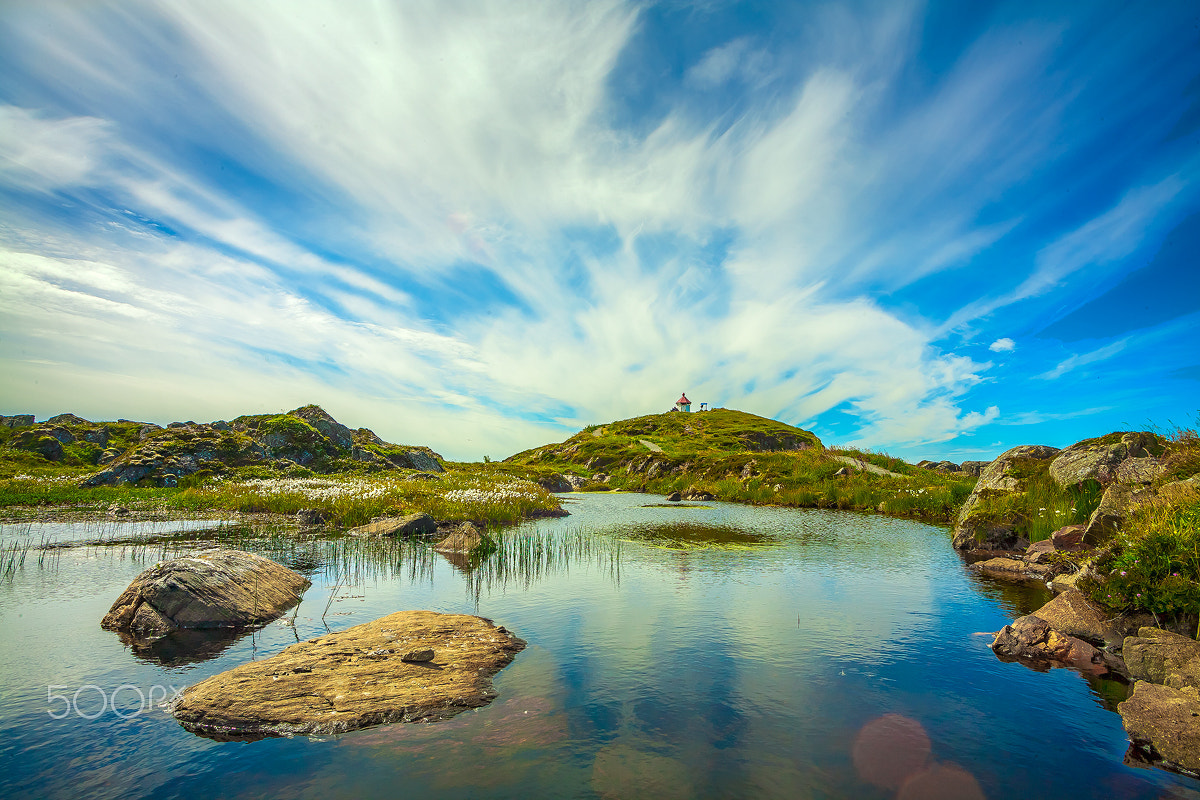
[209, 589]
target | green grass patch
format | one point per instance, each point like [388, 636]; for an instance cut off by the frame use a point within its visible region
[1155, 564]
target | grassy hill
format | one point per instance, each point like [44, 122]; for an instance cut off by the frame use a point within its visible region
[733, 455]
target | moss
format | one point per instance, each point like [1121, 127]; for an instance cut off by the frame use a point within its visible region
[292, 427]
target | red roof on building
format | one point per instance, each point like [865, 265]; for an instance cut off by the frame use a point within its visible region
[683, 399]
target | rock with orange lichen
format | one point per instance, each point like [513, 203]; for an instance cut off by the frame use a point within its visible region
[357, 678]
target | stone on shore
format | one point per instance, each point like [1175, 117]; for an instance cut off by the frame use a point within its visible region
[209, 589]
[367, 675]
[1163, 657]
[1164, 723]
[1031, 638]
[1068, 537]
[410, 525]
[1072, 614]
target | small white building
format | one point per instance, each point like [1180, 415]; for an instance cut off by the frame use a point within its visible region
[683, 404]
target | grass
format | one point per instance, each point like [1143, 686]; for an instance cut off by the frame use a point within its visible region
[1154, 563]
[1042, 507]
[348, 500]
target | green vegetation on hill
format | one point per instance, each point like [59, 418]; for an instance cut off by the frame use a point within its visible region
[1153, 564]
[264, 463]
[736, 456]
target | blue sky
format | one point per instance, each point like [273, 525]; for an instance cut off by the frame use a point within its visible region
[935, 229]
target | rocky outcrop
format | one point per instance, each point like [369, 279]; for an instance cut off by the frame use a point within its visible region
[44, 440]
[327, 426]
[16, 420]
[977, 528]
[1163, 657]
[555, 483]
[368, 675]
[1100, 459]
[67, 419]
[975, 468]
[1162, 723]
[165, 455]
[406, 526]
[307, 436]
[210, 589]
[1123, 465]
[1119, 501]
[1032, 639]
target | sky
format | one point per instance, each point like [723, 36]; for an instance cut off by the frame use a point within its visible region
[937, 230]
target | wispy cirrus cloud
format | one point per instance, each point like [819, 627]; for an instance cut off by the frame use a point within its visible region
[1083, 359]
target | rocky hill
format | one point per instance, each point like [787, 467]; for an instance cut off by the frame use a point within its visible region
[659, 444]
[304, 441]
[725, 454]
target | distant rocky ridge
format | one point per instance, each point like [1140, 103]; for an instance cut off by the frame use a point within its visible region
[144, 453]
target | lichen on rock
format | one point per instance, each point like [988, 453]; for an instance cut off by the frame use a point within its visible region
[375, 673]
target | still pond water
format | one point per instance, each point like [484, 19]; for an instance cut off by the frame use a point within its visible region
[716, 651]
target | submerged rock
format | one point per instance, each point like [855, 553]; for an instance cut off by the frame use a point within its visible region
[464, 540]
[1012, 569]
[210, 589]
[1164, 723]
[364, 676]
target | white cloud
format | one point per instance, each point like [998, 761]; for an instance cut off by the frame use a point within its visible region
[43, 154]
[1075, 361]
[1004, 345]
[447, 133]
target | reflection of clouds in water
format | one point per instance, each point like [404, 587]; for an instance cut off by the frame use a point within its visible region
[893, 752]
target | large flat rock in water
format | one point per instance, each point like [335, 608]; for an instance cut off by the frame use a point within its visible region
[1163, 723]
[209, 589]
[375, 673]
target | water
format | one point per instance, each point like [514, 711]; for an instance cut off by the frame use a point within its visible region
[719, 651]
